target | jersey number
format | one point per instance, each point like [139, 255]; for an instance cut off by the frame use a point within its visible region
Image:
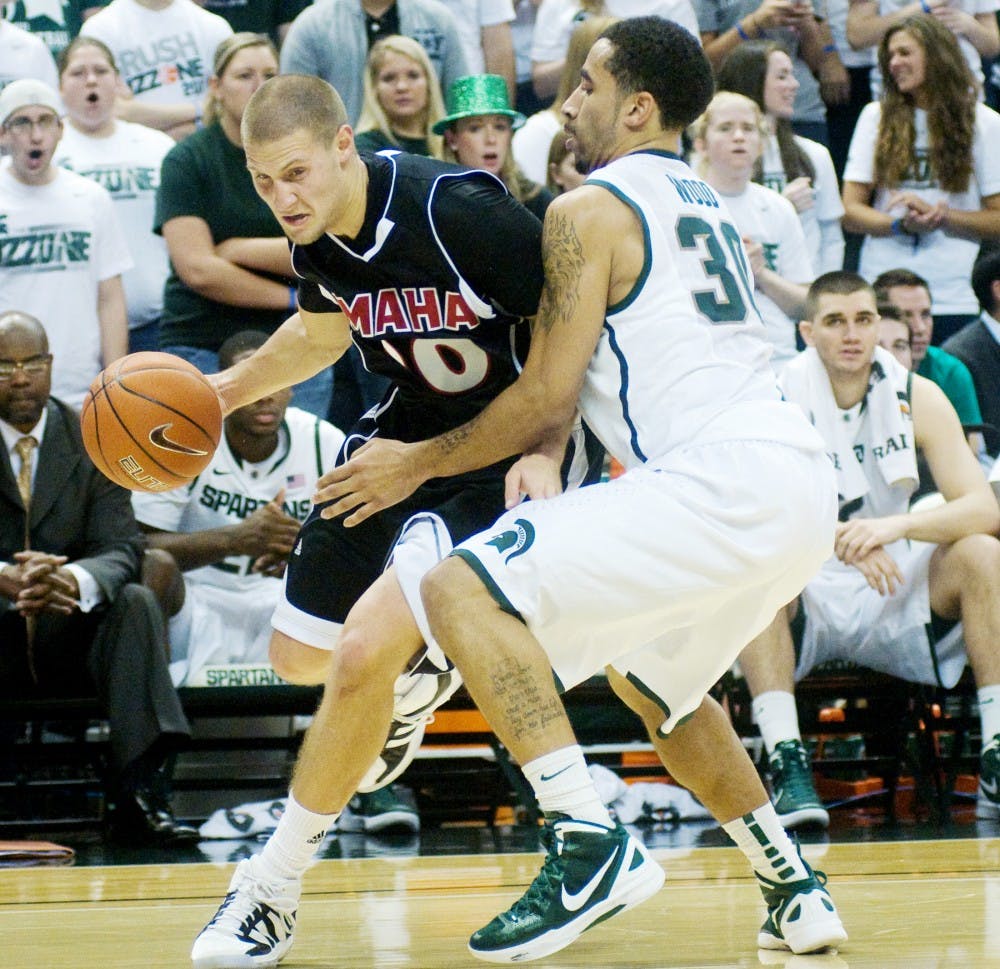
[450, 366]
[732, 308]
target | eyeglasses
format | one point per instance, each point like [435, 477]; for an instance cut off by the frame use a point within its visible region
[24, 126]
[32, 367]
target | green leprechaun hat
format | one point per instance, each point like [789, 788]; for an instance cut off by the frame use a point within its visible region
[478, 94]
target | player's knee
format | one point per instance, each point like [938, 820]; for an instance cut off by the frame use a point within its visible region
[451, 592]
[297, 663]
[162, 576]
[363, 657]
[977, 559]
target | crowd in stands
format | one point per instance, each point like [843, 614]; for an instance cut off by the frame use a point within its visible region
[856, 143]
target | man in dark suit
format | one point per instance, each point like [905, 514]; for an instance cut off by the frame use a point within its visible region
[73, 616]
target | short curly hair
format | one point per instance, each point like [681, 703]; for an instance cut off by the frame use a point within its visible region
[661, 57]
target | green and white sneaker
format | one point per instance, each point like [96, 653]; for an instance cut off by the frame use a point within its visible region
[389, 810]
[801, 916]
[590, 873]
[795, 799]
[988, 802]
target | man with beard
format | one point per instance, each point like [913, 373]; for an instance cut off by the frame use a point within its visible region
[327, 198]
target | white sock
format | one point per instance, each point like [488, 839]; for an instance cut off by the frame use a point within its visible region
[290, 849]
[563, 785]
[760, 836]
[989, 711]
[776, 718]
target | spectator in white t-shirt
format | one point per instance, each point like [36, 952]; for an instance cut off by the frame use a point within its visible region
[62, 250]
[125, 158]
[922, 181]
[164, 51]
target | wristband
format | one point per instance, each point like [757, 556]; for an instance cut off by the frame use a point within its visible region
[738, 27]
[830, 49]
[293, 305]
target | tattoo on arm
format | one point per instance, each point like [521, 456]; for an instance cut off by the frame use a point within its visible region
[563, 259]
[451, 440]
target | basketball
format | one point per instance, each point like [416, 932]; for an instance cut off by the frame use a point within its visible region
[151, 421]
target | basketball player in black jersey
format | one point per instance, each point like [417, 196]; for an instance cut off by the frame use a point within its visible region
[433, 272]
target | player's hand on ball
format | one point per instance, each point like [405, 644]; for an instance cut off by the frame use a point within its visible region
[379, 475]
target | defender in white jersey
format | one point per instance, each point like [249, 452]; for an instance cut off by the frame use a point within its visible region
[910, 593]
[647, 322]
[228, 529]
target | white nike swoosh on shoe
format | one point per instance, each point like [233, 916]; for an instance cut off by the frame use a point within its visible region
[574, 901]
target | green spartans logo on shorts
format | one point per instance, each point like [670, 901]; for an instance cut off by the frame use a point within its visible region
[520, 539]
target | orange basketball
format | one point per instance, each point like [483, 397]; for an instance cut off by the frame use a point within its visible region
[151, 421]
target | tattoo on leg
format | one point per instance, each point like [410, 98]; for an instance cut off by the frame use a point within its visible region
[521, 700]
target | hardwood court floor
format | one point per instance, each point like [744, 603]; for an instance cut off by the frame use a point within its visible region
[918, 905]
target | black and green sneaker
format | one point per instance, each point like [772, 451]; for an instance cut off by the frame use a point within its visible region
[795, 799]
[590, 873]
[801, 916]
[988, 803]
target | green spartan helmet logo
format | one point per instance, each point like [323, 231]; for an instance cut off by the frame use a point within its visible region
[520, 539]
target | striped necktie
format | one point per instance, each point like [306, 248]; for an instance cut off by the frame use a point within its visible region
[24, 446]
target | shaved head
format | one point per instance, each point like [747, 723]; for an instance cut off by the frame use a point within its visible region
[290, 103]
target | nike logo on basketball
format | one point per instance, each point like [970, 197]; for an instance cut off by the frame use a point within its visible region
[158, 437]
[574, 901]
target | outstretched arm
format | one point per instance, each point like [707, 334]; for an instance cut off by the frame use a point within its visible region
[302, 346]
[535, 410]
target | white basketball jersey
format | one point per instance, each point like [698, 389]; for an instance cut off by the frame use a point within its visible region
[683, 359]
[229, 490]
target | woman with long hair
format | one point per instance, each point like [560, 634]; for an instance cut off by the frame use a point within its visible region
[729, 139]
[125, 158]
[477, 133]
[922, 181]
[799, 168]
[402, 99]
[230, 268]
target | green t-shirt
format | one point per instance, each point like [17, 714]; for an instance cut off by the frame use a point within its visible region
[374, 140]
[953, 377]
[205, 176]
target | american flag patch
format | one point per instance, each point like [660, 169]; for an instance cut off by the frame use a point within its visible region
[295, 481]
